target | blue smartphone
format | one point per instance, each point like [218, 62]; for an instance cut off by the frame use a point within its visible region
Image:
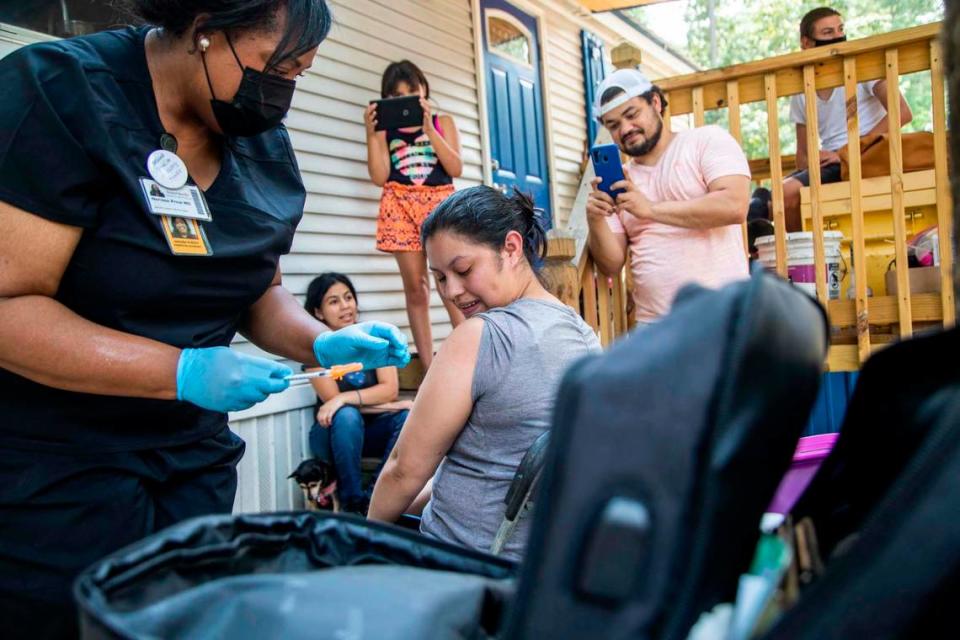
[607, 166]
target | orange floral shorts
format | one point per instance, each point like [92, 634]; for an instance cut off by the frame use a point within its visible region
[403, 208]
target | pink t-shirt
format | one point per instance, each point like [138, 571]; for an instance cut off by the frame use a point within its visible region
[663, 257]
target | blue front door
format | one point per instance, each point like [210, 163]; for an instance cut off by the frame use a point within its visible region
[515, 102]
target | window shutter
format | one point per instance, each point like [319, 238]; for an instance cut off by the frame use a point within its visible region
[594, 70]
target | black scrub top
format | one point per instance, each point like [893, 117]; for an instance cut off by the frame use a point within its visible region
[78, 119]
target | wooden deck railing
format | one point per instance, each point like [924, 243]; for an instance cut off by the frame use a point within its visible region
[858, 324]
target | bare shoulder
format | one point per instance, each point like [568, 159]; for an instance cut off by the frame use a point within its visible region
[451, 374]
[465, 337]
[447, 122]
[460, 347]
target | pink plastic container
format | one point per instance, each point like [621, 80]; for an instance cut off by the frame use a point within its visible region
[806, 460]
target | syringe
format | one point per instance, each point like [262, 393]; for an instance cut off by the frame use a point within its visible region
[335, 372]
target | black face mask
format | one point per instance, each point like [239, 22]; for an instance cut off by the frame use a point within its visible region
[827, 43]
[260, 104]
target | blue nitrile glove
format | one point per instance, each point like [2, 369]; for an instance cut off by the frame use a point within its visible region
[374, 344]
[220, 379]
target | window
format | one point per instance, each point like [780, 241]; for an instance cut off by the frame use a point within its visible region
[509, 39]
[63, 18]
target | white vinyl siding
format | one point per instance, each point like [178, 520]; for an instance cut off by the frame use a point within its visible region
[565, 93]
[276, 432]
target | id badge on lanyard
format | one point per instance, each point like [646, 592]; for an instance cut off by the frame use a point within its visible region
[181, 207]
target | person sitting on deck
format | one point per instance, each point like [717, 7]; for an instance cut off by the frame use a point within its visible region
[491, 389]
[818, 28]
[358, 415]
[684, 199]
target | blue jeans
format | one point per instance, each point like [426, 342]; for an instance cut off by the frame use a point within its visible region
[351, 436]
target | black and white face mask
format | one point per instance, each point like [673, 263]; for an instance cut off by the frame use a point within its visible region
[260, 104]
[827, 43]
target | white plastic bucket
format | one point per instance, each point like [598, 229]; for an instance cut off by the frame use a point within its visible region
[800, 269]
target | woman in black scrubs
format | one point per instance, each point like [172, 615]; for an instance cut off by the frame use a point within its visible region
[115, 322]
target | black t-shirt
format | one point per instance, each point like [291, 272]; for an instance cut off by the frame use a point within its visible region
[77, 123]
[413, 160]
[354, 382]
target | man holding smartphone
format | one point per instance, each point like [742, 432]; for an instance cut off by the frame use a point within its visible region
[684, 197]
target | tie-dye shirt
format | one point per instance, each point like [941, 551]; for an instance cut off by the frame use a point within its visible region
[413, 159]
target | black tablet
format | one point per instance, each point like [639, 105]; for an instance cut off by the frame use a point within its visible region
[397, 113]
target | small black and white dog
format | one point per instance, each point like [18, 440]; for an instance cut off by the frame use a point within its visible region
[319, 484]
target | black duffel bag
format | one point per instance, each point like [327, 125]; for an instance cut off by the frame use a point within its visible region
[665, 451]
[293, 575]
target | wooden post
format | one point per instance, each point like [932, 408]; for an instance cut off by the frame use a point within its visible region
[776, 171]
[626, 56]
[588, 289]
[856, 209]
[733, 115]
[813, 170]
[733, 110]
[699, 117]
[951, 64]
[603, 308]
[944, 199]
[896, 193]
[559, 272]
[619, 306]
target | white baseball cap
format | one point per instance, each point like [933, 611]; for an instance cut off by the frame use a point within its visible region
[631, 81]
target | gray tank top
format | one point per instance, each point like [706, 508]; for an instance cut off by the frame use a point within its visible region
[524, 350]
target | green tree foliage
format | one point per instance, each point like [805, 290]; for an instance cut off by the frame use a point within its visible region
[756, 29]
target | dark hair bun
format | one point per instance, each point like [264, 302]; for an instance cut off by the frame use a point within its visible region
[485, 215]
[535, 234]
